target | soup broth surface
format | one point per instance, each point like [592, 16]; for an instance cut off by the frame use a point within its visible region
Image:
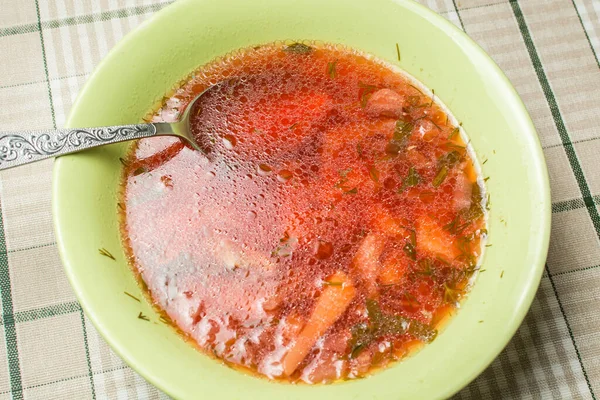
[332, 222]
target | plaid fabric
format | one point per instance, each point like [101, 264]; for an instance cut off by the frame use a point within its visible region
[548, 48]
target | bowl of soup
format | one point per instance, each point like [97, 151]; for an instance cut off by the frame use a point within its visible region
[367, 216]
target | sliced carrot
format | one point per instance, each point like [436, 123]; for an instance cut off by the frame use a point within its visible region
[393, 269]
[384, 222]
[330, 305]
[366, 260]
[434, 240]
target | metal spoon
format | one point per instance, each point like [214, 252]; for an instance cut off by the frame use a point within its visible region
[23, 147]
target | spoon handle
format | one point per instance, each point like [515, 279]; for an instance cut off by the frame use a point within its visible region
[23, 147]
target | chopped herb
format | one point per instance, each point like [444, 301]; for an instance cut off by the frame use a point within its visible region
[432, 97]
[455, 226]
[402, 131]
[351, 191]
[409, 250]
[454, 132]
[488, 245]
[331, 69]
[398, 51]
[359, 150]
[143, 317]
[441, 176]
[480, 321]
[416, 88]
[106, 253]
[502, 274]
[164, 320]
[374, 174]
[425, 267]
[125, 163]
[482, 270]
[298, 48]
[133, 297]
[120, 206]
[451, 296]
[380, 324]
[441, 260]
[139, 171]
[293, 126]
[487, 202]
[412, 179]
[366, 91]
[486, 179]
[484, 161]
[434, 124]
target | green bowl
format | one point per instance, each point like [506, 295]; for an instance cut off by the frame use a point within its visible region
[189, 33]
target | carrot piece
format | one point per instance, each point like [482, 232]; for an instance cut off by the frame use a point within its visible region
[332, 303]
[393, 270]
[433, 239]
[366, 260]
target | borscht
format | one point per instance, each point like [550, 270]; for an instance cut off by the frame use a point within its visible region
[333, 221]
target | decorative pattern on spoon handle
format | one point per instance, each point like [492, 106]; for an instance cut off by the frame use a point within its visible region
[17, 148]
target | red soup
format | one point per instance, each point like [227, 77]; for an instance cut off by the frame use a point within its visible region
[332, 222]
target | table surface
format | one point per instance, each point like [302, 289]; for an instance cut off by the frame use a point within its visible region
[549, 50]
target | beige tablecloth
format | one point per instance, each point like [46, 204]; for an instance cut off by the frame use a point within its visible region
[549, 50]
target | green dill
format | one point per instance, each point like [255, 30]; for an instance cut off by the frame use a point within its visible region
[164, 320]
[480, 321]
[125, 163]
[416, 88]
[487, 178]
[120, 205]
[434, 124]
[402, 132]
[398, 52]
[366, 91]
[432, 97]
[143, 317]
[381, 324]
[359, 150]
[488, 245]
[410, 251]
[298, 48]
[502, 274]
[440, 176]
[106, 253]
[484, 161]
[351, 191]
[133, 297]
[374, 174]
[292, 126]
[451, 295]
[412, 179]
[332, 69]
[139, 171]
[454, 132]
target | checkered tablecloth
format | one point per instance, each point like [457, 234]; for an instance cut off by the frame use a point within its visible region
[549, 50]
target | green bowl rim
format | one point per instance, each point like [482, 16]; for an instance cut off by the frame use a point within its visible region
[463, 40]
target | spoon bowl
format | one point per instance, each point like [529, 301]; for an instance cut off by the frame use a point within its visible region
[27, 146]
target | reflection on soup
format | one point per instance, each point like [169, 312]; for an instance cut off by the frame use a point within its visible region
[333, 221]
